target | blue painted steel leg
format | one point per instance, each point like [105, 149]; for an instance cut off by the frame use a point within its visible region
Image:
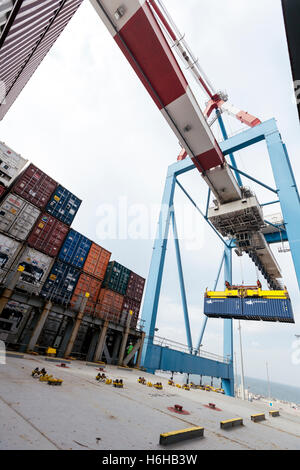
[153, 287]
[205, 317]
[231, 156]
[228, 384]
[181, 282]
[287, 194]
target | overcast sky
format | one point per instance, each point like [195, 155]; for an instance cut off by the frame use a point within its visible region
[85, 119]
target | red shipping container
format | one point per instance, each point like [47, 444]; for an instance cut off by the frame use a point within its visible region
[109, 306]
[35, 186]
[134, 306]
[2, 189]
[86, 284]
[97, 261]
[48, 235]
[135, 287]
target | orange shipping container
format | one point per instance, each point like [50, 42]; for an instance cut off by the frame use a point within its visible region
[109, 306]
[97, 261]
[85, 284]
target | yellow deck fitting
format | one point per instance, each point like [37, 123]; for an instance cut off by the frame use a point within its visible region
[45, 378]
[274, 413]
[258, 417]
[52, 381]
[170, 382]
[186, 387]
[50, 351]
[158, 386]
[229, 423]
[149, 384]
[178, 385]
[108, 381]
[118, 383]
[178, 436]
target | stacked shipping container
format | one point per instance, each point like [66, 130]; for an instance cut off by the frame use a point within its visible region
[133, 298]
[59, 263]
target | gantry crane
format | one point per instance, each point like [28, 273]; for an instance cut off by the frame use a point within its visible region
[147, 36]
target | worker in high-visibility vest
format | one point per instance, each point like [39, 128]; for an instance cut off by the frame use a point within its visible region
[129, 348]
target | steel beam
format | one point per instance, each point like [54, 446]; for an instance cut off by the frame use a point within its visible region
[153, 287]
[39, 326]
[287, 193]
[228, 384]
[181, 283]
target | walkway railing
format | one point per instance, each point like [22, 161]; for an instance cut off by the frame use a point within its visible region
[167, 343]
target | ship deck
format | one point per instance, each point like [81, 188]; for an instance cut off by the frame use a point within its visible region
[84, 414]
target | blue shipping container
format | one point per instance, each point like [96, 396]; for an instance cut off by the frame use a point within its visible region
[63, 205]
[60, 283]
[75, 249]
[268, 310]
[224, 308]
[250, 309]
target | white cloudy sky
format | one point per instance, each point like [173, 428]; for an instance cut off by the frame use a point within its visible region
[86, 120]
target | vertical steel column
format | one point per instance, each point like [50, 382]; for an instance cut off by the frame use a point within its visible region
[181, 282]
[76, 326]
[153, 287]
[205, 317]
[39, 326]
[125, 338]
[228, 384]
[287, 193]
[139, 357]
[8, 291]
[231, 156]
[101, 342]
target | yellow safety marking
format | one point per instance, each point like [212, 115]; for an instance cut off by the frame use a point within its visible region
[231, 420]
[182, 431]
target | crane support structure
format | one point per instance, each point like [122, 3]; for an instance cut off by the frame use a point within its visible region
[155, 356]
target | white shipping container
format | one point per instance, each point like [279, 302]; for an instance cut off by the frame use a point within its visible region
[16, 316]
[37, 267]
[9, 249]
[11, 164]
[17, 216]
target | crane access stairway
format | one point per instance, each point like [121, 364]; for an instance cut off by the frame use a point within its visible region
[249, 303]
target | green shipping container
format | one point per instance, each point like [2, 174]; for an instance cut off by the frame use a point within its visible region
[117, 277]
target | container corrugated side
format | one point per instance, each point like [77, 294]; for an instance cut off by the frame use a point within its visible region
[50, 331]
[60, 283]
[63, 205]
[36, 269]
[75, 249]
[223, 308]
[135, 287]
[97, 261]
[48, 235]
[117, 277]
[135, 307]
[9, 250]
[109, 306]
[13, 320]
[35, 186]
[82, 341]
[86, 284]
[268, 310]
[11, 163]
[271, 310]
[17, 216]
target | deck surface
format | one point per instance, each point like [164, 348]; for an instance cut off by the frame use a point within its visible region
[85, 414]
